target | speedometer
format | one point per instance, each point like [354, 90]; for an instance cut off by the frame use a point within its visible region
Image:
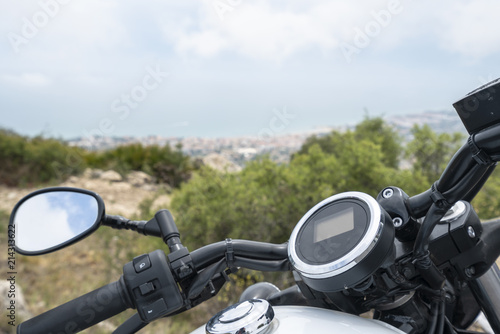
[341, 241]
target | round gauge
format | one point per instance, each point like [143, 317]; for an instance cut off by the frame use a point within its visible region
[341, 241]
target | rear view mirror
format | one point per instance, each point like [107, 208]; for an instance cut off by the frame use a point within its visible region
[52, 218]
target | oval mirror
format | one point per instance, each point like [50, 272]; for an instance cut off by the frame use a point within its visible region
[52, 218]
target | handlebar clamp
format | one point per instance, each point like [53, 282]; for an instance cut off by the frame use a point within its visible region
[479, 155]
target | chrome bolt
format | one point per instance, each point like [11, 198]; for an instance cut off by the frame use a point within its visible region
[471, 232]
[397, 222]
[387, 193]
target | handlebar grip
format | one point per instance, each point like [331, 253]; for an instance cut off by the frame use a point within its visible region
[82, 312]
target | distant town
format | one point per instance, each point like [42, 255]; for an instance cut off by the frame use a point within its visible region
[239, 150]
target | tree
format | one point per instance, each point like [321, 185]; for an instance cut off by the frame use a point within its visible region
[380, 133]
[373, 130]
[487, 201]
[254, 204]
[266, 200]
[429, 152]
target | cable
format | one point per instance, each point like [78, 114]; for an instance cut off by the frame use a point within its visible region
[432, 327]
[442, 316]
[212, 253]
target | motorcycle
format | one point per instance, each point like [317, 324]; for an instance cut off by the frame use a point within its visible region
[421, 264]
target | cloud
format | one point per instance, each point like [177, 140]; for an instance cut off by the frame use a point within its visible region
[470, 28]
[73, 36]
[259, 30]
[266, 31]
[28, 79]
[39, 225]
[90, 31]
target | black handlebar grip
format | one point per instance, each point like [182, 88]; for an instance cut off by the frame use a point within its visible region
[80, 313]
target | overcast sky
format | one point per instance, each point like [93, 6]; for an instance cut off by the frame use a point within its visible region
[235, 67]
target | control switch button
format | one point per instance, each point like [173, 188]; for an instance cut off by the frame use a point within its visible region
[154, 310]
[142, 263]
[146, 288]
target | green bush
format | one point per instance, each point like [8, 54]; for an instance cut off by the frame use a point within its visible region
[373, 130]
[265, 200]
[429, 152]
[33, 161]
[167, 165]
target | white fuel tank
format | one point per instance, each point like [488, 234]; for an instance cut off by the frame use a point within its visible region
[258, 317]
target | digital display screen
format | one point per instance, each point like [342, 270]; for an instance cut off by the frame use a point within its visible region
[334, 225]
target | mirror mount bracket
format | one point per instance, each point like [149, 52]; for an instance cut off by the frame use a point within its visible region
[140, 226]
[179, 258]
[122, 223]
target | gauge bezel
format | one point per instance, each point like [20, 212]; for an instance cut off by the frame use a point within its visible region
[355, 255]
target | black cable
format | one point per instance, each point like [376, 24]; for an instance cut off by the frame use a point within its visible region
[467, 183]
[460, 167]
[262, 265]
[212, 253]
[434, 215]
[460, 164]
[431, 329]
[214, 258]
[451, 329]
[201, 280]
[442, 316]
[421, 254]
[442, 202]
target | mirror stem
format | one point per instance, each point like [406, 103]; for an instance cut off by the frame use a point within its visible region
[122, 223]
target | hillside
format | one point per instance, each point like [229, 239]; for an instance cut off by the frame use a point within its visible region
[47, 281]
[121, 195]
[262, 201]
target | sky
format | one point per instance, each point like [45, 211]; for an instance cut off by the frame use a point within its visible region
[221, 68]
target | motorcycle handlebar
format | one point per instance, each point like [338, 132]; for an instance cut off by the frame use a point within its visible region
[464, 175]
[82, 312]
[251, 250]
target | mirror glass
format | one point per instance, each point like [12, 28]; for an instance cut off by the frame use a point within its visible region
[51, 219]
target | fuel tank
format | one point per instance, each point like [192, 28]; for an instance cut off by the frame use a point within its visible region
[258, 317]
